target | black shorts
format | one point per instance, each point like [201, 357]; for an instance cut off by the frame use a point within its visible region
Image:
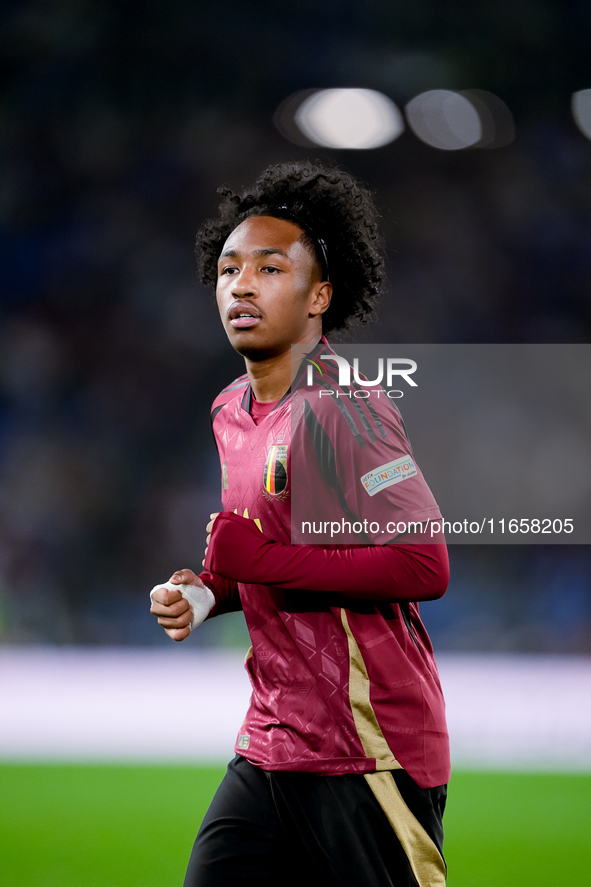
[283, 828]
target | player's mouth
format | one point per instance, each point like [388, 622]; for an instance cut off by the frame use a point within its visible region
[242, 317]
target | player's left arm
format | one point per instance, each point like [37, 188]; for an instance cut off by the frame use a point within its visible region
[412, 572]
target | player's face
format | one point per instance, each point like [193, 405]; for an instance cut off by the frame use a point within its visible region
[269, 290]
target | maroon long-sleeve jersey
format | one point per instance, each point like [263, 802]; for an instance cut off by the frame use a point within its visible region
[340, 683]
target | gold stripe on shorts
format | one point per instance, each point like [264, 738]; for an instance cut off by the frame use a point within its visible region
[425, 859]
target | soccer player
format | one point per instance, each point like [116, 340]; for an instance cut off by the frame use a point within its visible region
[342, 760]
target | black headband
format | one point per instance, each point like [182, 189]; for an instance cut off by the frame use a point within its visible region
[321, 244]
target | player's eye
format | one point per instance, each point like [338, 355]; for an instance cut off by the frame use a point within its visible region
[271, 269]
[230, 269]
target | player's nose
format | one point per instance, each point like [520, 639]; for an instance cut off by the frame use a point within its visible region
[243, 284]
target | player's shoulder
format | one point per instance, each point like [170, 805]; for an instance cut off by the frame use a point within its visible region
[236, 390]
[351, 413]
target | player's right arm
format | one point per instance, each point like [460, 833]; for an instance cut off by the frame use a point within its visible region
[187, 600]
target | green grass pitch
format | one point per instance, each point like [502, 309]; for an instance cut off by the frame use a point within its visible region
[133, 826]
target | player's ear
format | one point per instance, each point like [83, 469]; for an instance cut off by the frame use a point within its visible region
[322, 297]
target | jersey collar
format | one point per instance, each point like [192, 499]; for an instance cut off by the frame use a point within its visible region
[316, 351]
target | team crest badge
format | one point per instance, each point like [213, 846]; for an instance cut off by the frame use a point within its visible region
[275, 476]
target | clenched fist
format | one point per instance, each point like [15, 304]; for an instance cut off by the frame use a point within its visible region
[180, 609]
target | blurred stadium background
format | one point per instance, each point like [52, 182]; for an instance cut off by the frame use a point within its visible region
[117, 123]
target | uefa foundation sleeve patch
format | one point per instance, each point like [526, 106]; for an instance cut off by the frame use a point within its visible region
[388, 474]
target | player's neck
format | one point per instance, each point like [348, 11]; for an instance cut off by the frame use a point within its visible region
[272, 377]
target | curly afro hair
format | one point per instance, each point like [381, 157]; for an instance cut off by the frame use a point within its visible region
[338, 217]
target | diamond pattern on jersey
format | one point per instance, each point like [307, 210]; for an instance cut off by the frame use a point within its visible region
[300, 715]
[299, 669]
[305, 634]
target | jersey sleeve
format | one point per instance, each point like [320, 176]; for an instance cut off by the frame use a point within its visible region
[225, 592]
[240, 551]
[363, 455]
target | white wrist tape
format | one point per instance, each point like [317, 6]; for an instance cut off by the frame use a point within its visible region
[200, 598]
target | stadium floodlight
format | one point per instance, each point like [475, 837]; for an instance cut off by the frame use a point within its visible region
[496, 120]
[353, 119]
[450, 121]
[444, 119]
[581, 108]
